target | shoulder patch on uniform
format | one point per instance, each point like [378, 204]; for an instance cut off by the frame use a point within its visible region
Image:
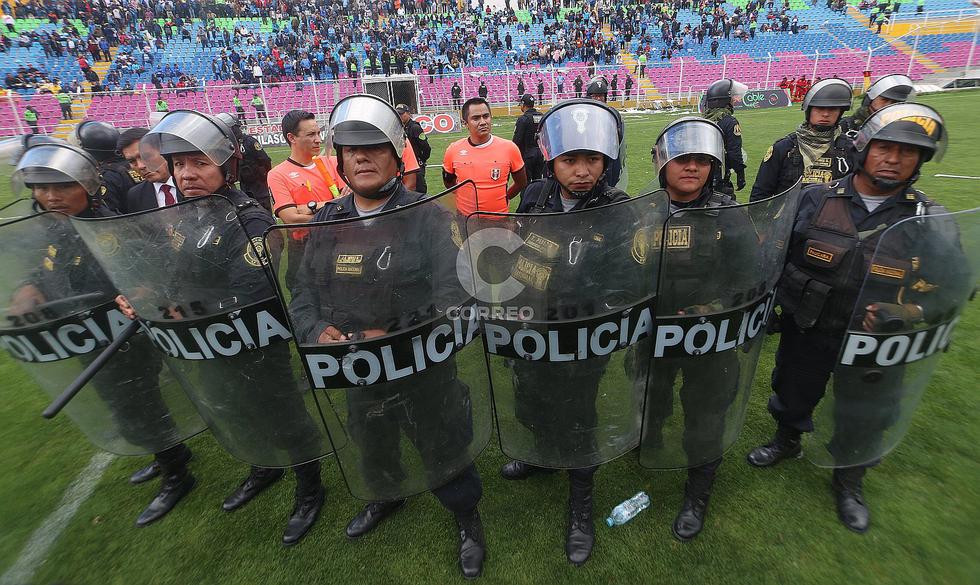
[108, 243]
[423, 137]
[255, 252]
[737, 130]
[768, 154]
[103, 190]
[257, 145]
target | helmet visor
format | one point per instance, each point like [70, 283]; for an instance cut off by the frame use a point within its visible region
[579, 127]
[363, 120]
[150, 156]
[187, 131]
[896, 87]
[690, 137]
[915, 124]
[52, 163]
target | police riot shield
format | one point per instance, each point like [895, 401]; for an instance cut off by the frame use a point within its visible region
[716, 290]
[17, 209]
[916, 286]
[566, 300]
[200, 284]
[388, 336]
[59, 314]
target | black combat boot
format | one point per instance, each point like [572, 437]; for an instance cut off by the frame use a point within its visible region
[176, 482]
[697, 491]
[145, 474]
[472, 544]
[784, 444]
[370, 516]
[309, 499]
[258, 479]
[580, 537]
[519, 470]
[847, 486]
[178, 454]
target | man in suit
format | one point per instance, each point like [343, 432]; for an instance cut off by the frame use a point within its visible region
[157, 188]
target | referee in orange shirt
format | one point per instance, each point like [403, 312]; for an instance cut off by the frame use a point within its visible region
[300, 185]
[488, 160]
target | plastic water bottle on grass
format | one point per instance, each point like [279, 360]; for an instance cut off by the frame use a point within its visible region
[627, 510]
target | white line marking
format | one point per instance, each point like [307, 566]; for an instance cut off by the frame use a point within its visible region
[37, 547]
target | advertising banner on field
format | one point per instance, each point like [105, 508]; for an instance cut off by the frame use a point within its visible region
[758, 99]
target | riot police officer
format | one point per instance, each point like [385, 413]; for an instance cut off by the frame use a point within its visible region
[816, 151]
[350, 301]
[204, 157]
[100, 139]
[688, 155]
[838, 227]
[887, 90]
[525, 137]
[254, 170]
[420, 144]
[66, 179]
[719, 107]
[577, 158]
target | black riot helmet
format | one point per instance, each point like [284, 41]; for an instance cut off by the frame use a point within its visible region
[895, 88]
[580, 125]
[98, 139]
[690, 135]
[367, 120]
[183, 131]
[722, 93]
[57, 162]
[828, 93]
[598, 88]
[914, 124]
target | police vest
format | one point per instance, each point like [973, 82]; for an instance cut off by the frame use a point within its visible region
[693, 248]
[557, 254]
[30, 116]
[63, 98]
[837, 257]
[363, 264]
[831, 166]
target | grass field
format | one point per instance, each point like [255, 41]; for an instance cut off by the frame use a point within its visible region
[764, 526]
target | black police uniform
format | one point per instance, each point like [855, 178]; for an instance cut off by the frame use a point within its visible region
[253, 171]
[323, 296]
[525, 137]
[244, 274]
[541, 390]
[734, 163]
[834, 240]
[706, 393]
[851, 124]
[117, 179]
[128, 383]
[422, 148]
[782, 166]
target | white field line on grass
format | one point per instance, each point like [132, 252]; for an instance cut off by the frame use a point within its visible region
[36, 550]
